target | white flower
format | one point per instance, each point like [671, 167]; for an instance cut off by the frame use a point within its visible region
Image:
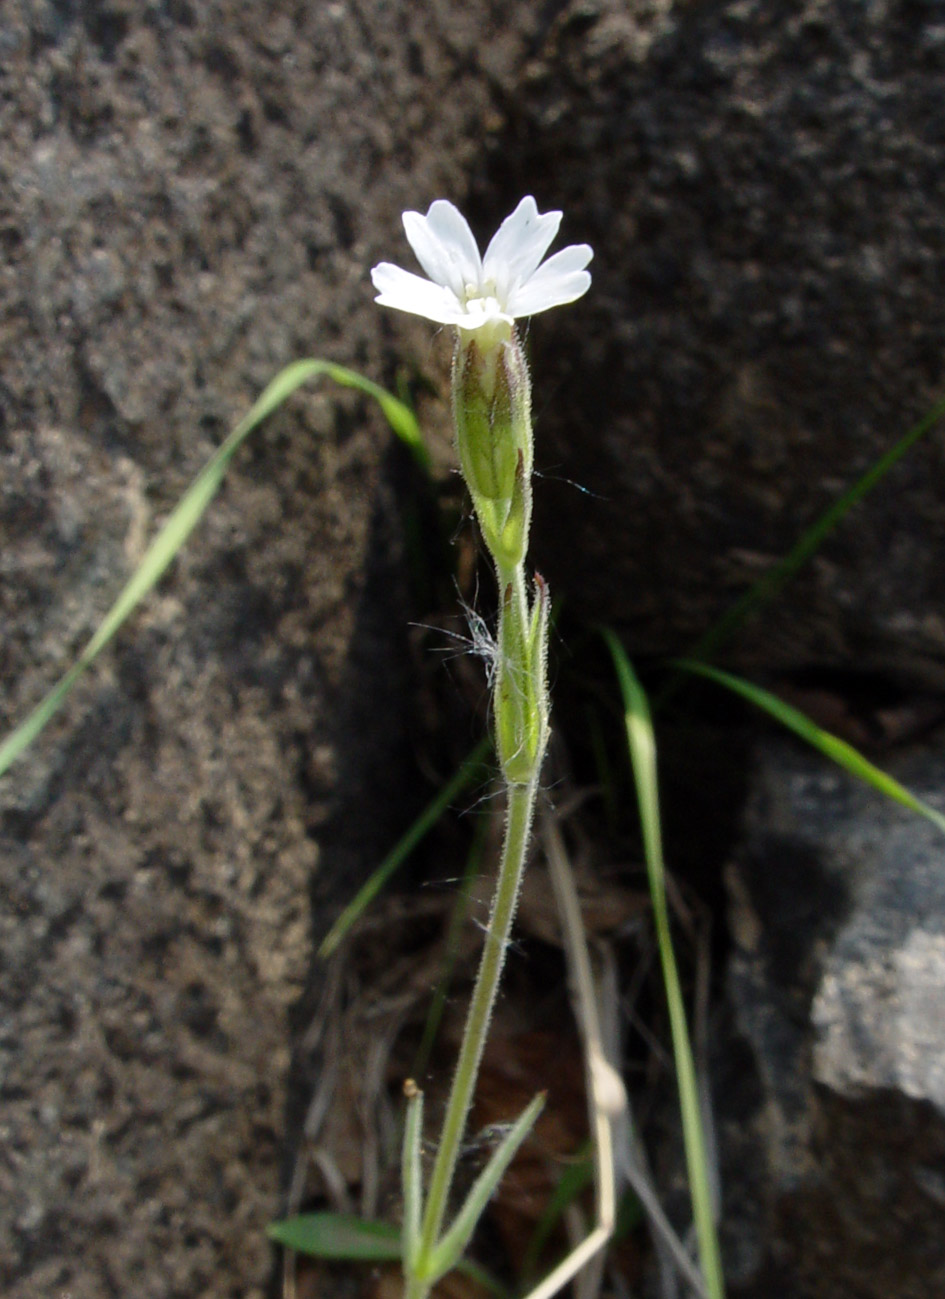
[470, 291]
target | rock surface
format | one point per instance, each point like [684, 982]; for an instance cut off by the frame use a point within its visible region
[763, 183]
[190, 197]
[838, 912]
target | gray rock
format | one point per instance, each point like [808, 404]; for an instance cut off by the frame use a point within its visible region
[838, 913]
[763, 183]
[191, 195]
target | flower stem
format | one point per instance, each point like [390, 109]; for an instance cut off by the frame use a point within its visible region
[492, 413]
[521, 805]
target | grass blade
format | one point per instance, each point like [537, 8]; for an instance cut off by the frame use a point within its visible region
[642, 746]
[449, 1249]
[343, 1238]
[811, 540]
[451, 947]
[837, 750]
[470, 771]
[397, 413]
[572, 1182]
[338, 1236]
[185, 517]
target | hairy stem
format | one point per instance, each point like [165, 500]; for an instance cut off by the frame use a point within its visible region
[521, 805]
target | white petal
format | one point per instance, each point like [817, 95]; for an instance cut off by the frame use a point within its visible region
[561, 279]
[408, 292]
[444, 246]
[471, 323]
[518, 245]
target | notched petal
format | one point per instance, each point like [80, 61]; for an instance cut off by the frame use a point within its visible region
[444, 245]
[562, 279]
[475, 293]
[408, 292]
[519, 244]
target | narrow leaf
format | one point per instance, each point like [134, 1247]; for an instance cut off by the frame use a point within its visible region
[447, 1253]
[570, 1184]
[812, 539]
[398, 415]
[343, 1238]
[338, 1236]
[451, 946]
[185, 517]
[411, 1177]
[837, 750]
[470, 771]
[642, 746]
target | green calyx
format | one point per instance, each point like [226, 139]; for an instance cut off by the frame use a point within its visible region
[521, 692]
[492, 410]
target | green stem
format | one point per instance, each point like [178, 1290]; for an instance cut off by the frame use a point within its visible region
[521, 807]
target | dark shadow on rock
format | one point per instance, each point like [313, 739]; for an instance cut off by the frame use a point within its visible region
[761, 184]
[377, 790]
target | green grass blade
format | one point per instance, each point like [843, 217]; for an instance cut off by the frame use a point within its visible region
[450, 1248]
[572, 1182]
[338, 1236]
[343, 1238]
[185, 517]
[482, 1278]
[397, 413]
[811, 540]
[454, 934]
[470, 771]
[642, 746]
[837, 750]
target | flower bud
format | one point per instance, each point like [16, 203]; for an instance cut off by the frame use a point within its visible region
[492, 410]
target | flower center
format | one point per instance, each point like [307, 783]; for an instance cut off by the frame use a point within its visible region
[485, 315]
[481, 299]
